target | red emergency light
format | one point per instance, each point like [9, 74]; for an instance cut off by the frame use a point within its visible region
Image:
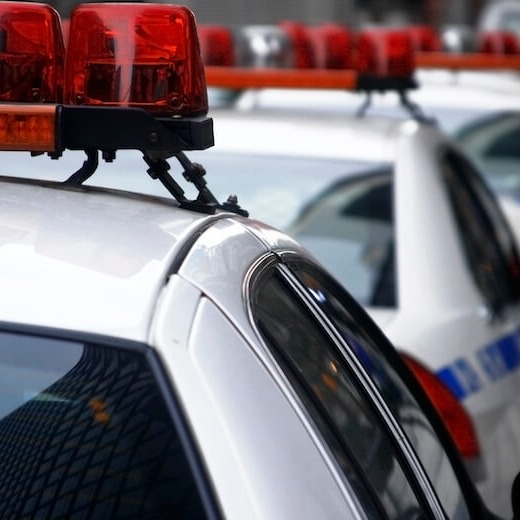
[332, 46]
[31, 53]
[424, 38]
[494, 50]
[216, 45]
[135, 55]
[384, 53]
[372, 60]
[128, 69]
[498, 42]
[301, 43]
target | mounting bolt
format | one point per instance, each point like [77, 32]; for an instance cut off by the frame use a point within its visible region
[153, 137]
[232, 200]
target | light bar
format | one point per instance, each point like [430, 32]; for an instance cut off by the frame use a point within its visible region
[31, 53]
[494, 50]
[135, 55]
[498, 42]
[243, 78]
[467, 61]
[263, 46]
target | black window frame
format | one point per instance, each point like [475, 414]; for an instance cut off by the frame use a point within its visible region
[486, 238]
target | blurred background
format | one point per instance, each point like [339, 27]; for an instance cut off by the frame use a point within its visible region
[350, 12]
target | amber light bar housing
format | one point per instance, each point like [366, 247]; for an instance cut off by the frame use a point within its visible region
[54, 128]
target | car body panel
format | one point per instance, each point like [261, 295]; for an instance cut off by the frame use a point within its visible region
[238, 444]
[46, 235]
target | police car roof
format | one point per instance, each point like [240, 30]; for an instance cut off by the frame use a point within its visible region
[85, 259]
[304, 133]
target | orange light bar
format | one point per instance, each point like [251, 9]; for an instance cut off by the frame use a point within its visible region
[136, 55]
[243, 78]
[467, 61]
[29, 128]
[31, 53]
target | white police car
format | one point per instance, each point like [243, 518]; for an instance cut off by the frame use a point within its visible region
[172, 358]
[396, 212]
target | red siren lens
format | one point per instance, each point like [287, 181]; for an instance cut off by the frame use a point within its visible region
[31, 53]
[387, 53]
[332, 46]
[216, 45]
[139, 55]
[424, 38]
[302, 47]
[498, 42]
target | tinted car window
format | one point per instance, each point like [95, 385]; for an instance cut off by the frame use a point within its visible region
[488, 243]
[369, 347]
[84, 433]
[350, 229]
[345, 416]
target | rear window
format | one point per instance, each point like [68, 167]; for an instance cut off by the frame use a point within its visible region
[84, 433]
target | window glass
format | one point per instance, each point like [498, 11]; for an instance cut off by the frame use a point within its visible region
[487, 240]
[84, 433]
[492, 143]
[367, 343]
[345, 416]
[350, 229]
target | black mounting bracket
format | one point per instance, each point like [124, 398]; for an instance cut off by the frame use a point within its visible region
[400, 85]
